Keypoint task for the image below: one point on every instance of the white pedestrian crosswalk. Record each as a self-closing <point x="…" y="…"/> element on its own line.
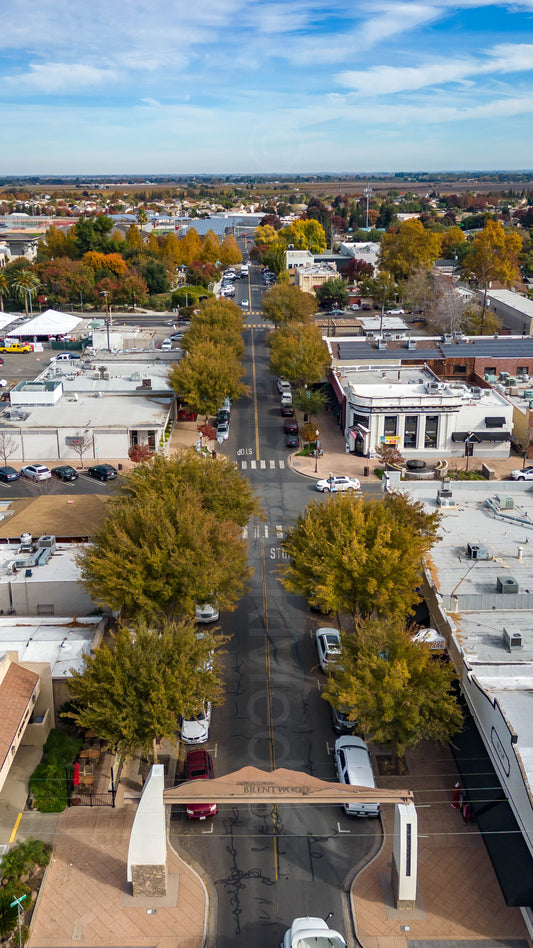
<point x="263" y="531"/>
<point x="261" y="465"/>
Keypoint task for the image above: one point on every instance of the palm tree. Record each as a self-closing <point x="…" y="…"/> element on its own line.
<point x="4" y="289"/>
<point x="25" y="286"/>
<point x="142" y="217"/>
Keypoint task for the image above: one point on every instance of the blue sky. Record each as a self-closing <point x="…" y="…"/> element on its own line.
<point x="257" y="86"/>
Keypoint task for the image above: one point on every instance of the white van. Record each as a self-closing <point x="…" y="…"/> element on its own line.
<point x="166" y="345"/>
<point x="352" y="761"/>
<point x="286" y="398"/>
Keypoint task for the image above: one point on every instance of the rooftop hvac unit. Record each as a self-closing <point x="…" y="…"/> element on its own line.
<point x="25" y="539"/>
<point x="433" y="387"/>
<point x="528" y="393"/>
<point x="382" y="343"/>
<point x="505" y="503"/>
<point x="47" y="542"/>
<point x="511" y="381"/>
<point x="147" y="383"/>
<point x="504" y="376"/>
<point x="523" y="377"/>
<point x="512" y="637"/>
<point x="411" y="344"/>
<point x="475" y="392"/>
<point x="447" y="337"/>
<point x="135" y="376"/>
<point x="476" y="551"/>
<point x="507" y="584"/>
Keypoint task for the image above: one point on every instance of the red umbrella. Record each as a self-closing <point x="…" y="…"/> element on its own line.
<point x="76" y="776"/>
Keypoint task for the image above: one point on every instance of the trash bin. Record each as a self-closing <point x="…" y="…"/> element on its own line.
<point x="366" y="471"/>
<point x="119" y="466"/>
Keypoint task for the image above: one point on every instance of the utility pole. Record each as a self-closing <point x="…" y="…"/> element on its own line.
<point x="104" y="293"/>
<point x="367" y="192"/>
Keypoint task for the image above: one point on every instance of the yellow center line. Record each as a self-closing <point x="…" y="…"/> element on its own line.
<point x="270" y="725"/>
<point x="15" y="828"/>
<point x="254" y="390"/>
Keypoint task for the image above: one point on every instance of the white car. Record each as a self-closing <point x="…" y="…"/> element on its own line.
<point x="311" y="931"/>
<point x="36" y="472"/>
<point x="245" y="302"/>
<point x="223" y="431"/>
<point x="205" y="612"/>
<point x="196" y="730"/>
<point x="523" y="475"/>
<point x="328" y="646"/>
<point x="284" y="386"/>
<point x="337" y="482"/>
<point x="166" y="345"/>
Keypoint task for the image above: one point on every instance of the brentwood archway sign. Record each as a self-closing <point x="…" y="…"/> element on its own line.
<point x="251" y="785"/>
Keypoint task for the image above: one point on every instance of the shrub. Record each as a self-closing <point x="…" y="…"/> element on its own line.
<point x="48" y="781"/>
<point x="8" y="913"/>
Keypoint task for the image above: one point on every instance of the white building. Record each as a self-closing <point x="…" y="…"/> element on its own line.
<point x="361" y="250"/>
<point x="409" y="407"/>
<point x="479" y="592"/>
<point x="298" y="258"/>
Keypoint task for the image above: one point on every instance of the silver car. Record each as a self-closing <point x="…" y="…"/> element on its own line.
<point x="36" y="472"/>
<point x="328" y="646"/>
<point x="337" y="482"/>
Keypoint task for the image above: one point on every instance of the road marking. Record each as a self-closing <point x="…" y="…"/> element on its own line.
<point x="15" y="828"/>
<point x="244" y="465"/>
<point x="215" y="750"/>
<point x="272" y="464"/>
<point x="206" y="832"/>
<point x="254" y="387"/>
<point x="253" y="465"/>
<point x="282" y="464"/>
<point x="262" y="465"/>
<point x="266" y="532"/>
<point x="341" y="830"/>
<point x="279" y="531"/>
<point x="329" y="749"/>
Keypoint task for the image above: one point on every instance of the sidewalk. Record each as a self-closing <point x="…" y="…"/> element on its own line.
<point x="458" y="894"/>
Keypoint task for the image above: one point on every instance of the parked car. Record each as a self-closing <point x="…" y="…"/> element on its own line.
<point x="8" y="346"/>
<point x="341" y="722"/>
<point x="292" y="440"/>
<point x="166" y="345"/>
<point x="311" y="931"/>
<point x="8" y="474"/>
<point x="66" y="357"/>
<point x="199" y="766"/>
<point x="245" y="302"/>
<point x="328" y="646"/>
<point x="195" y="730"/>
<point x="205" y="612"/>
<point x="526" y="474"/>
<point x="223" y="430"/>
<point x="287" y="411"/>
<point x="284" y="386"/>
<point x="352" y="762"/>
<point x="222" y="415"/>
<point x="339" y="482"/>
<point x="65" y="473"/>
<point x="102" y="472"/>
<point x="290" y="426"/>
<point x="176" y="336"/>
<point x="36" y="472"/>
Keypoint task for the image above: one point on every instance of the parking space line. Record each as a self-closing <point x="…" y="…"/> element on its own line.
<point x="339" y="830"/>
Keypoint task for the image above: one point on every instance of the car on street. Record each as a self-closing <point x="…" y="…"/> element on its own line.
<point x="195" y="730"/>
<point x="66" y="357"/>
<point x="102" y="472"/>
<point x="65" y="473"/>
<point x="199" y="766"/>
<point x="308" y="931"/>
<point x="222" y="416"/>
<point x="292" y="440"/>
<point x="245" y="302"/>
<point x="338" y="482"/>
<point x="166" y="345"/>
<point x="205" y="612"/>
<point x="8" y="474"/>
<point x="7" y="346"/>
<point x="341" y="722"/>
<point x="526" y="474"/>
<point x="290" y="426"/>
<point x="176" y="336"/>
<point x="328" y="646"/>
<point x="284" y="386"/>
<point x="36" y="472"/>
<point x="287" y="411"/>
<point x="223" y="430"/>
<point x="352" y="762"/>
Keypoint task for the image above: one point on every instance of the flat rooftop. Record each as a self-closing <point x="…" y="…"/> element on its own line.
<point x="125" y="378"/>
<point x="62" y="567"/>
<point x="90" y="412"/>
<point x="59" y="642"/>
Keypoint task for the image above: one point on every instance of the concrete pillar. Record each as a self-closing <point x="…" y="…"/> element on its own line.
<point x="405" y="855"/>
<point x="147" y="853"/>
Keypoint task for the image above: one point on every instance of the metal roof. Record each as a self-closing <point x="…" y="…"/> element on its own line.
<point x="363" y="350"/>
<point x="495" y="348"/>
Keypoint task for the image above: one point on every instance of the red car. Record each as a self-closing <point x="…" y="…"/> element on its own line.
<point x="199" y="766"/>
<point x="291" y="426"/>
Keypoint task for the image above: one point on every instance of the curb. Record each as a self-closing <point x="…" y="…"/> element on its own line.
<point x="211" y="895"/>
<point x="354" y="874"/>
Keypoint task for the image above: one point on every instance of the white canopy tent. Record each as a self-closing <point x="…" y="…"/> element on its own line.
<point x="49" y="323"/>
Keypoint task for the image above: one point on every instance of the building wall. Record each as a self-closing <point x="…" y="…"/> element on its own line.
<point x="49" y="445"/>
<point x="512" y="318"/>
<point x="34" y="597"/>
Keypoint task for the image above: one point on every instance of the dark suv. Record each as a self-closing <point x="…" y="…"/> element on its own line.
<point x="102" y="472"/>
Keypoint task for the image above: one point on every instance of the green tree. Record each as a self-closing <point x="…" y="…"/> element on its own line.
<point x="200" y="332"/>
<point x="493" y="255"/>
<point x="284" y="305"/>
<point x="163" y="554"/>
<point x="298" y="353"/>
<point x="25" y="286"/>
<point x="356" y="556"/>
<point x="310" y="401"/>
<point x="155" y="276"/>
<point x="274" y="257"/>
<point x="93" y="233"/>
<point x="8" y="913"/>
<point x="381" y="288"/>
<point x="4" y="289"/>
<point x="57" y="243"/>
<point x="332" y="291"/>
<point x="394" y="688"/>
<point x="208" y="375"/>
<point x="133" y="691"/>
<point x="304" y="235"/>
<point x="411" y="248"/>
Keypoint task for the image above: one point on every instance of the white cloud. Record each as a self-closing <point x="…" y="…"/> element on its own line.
<point x="60" y="77"/>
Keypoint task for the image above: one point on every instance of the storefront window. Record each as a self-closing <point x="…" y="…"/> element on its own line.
<point x="391" y="425"/>
<point x="432" y="431"/>
<point x="411" y="431"/>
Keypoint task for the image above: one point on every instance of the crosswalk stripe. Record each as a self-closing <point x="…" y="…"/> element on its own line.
<point x="279" y="532"/>
<point x="262" y="532"/>
<point x="272" y="464"/>
<point x="282" y="464"/>
<point x="253" y="465"/>
<point x="266" y="532"/>
<point x="244" y="465"/>
<point x="263" y="465"/>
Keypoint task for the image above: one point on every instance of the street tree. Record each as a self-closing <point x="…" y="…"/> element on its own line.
<point x="382" y="288"/>
<point x="274" y="258"/>
<point x="199" y="333"/>
<point x="210" y="251"/>
<point x="4" y="289"/>
<point x="25" y="286"/>
<point x="133" y="691"/>
<point x="418" y="291"/>
<point x="304" y="235"/>
<point x="207" y="375"/>
<point x="298" y="353"/>
<point x="8" y="446"/>
<point x="284" y="305"/>
<point x="220" y="313"/>
<point x="333" y="292"/>
<point x="82" y="444"/>
<point x="223" y="490"/>
<point x="493" y="255"/>
<point x="394" y="688"/>
<point x="308" y="400"/>
<point x="353" y="555"/>
<point x="190" y="247"/>
<point x="446" y="310"/>
<point x="451" y="240"/>
<point x="265" y="234"/>
<point x="161" y="555"/>
<point x="410" y="248"/>
<point x="229" y="253"/>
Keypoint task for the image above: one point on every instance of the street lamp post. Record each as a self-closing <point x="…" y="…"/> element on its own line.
<point x="104" y="293"/>
<point x="317" y="444"/>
